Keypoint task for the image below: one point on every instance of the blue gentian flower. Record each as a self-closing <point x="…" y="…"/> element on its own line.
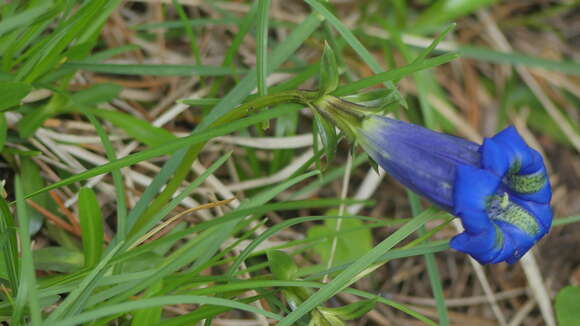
<point x="500" y="189"/>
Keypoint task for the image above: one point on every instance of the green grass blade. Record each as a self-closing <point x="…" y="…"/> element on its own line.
<point x="166" y="148"/>
<point x="76" y="299"/>
<point x="277" y="57"/>
<point x="432" y="269"/>
<point x="8" y="245"/>
<point x="142" y="226"/>
<point x="350" y="38"/>
<point x="154" y="69"/>
<point x="514" y="58"/>
<point x="117" y="177"/>
<point x="91" y="220"/>
<point x="160" y="301"/>
<point x="27" y="290"/>
<point x="24" y="18"/>
<point x="346" y="277"/>
<point x="262" y="46"/>
<point x="394" y="74"/>
<point x="188" y="31"/>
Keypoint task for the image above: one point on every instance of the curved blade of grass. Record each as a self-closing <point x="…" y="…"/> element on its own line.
<point x="8" y="244"/>
<point x="262" y="47"/>
<point x="76" y="299"/>
<point x="117" y="177"/>
<point x="80" y="26"/>
<point x="242" y="285"/>
<point x="91" y="220"/>
<point x="349" y="37"/>
<point x="432" y="270"/>
<point x="24" y="18"/>
<point x="277" y="57"/>
<point x="394" y="74"/>
<point x="430" y="248"/>
<point x="167" y="148"/>
<point x="188" y="31"/>
<point x="261" y="198"/>
<point x="160" y="301"/>
<point x="225" y="107"/>
<point x="232" y="216"/>
<point x="154" y="69"/>
<point x="27" y="291"/>
<point x="346" y="277"/>
<point x="142" y="226"/>
<point x="273" y="230"/>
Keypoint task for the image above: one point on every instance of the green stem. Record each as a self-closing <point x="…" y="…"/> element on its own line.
<point x="294" y="96"/>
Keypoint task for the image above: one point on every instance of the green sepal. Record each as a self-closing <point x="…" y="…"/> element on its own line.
<point x="381" y="100"/>
<point x="329" y="76"/>
<point x="328" y="135"/>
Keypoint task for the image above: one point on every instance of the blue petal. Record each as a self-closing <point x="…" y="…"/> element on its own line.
<point x="518" y="151"/>
<point x="421" y="159"/>
<point x="385" y="132"/>
<point x="471" y="191"/>
<point x="482" y="247"/>
<point x="494" y="157"/>
<point x="519" y="242"/>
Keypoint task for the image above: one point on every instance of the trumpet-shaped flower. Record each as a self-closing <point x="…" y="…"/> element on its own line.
<point x="499" y="189"/>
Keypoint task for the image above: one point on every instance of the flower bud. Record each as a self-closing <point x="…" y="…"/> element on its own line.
<point x="500" y="189"/>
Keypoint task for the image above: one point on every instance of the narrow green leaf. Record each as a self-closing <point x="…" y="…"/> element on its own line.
<point x="141" y="130"/>
<point x="96" y="94"/>
<point x="154" y="69"/>
<point x="277" y="57"/>
<point x="145" y="223"/>
<point x="117" y="176"/>
<point x="3" y="130"/>
<point x="30" y="122"/>
<point x="446" y="10"/>
<point x="169" y="147"/>
<point x="76" y="299"/>
<point x="24" y="18"/>
<point x="160" y="301"/>
<point x="58" y="259"/>
<point x="27" y="291"/>
<point x="262" y="50"/>
<point x="91" y="220"/>
<point x="350" y="38"/>
<point x="394" y="74"/>
<point x="188" y="31"/>
<point x="346" y="277"/>
<point x="34" y="181"/>
<point x="11" y="93"/>
<point x="8" y="245"/>
<point x="152" y="315"/>
<point x="432" y="269"/>
<point x="329" y="78"/>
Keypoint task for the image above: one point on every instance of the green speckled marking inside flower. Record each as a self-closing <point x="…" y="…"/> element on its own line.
<point x="515" y="167"/>
<point x="527" y="183"/>
<point x="501" y="208"/>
